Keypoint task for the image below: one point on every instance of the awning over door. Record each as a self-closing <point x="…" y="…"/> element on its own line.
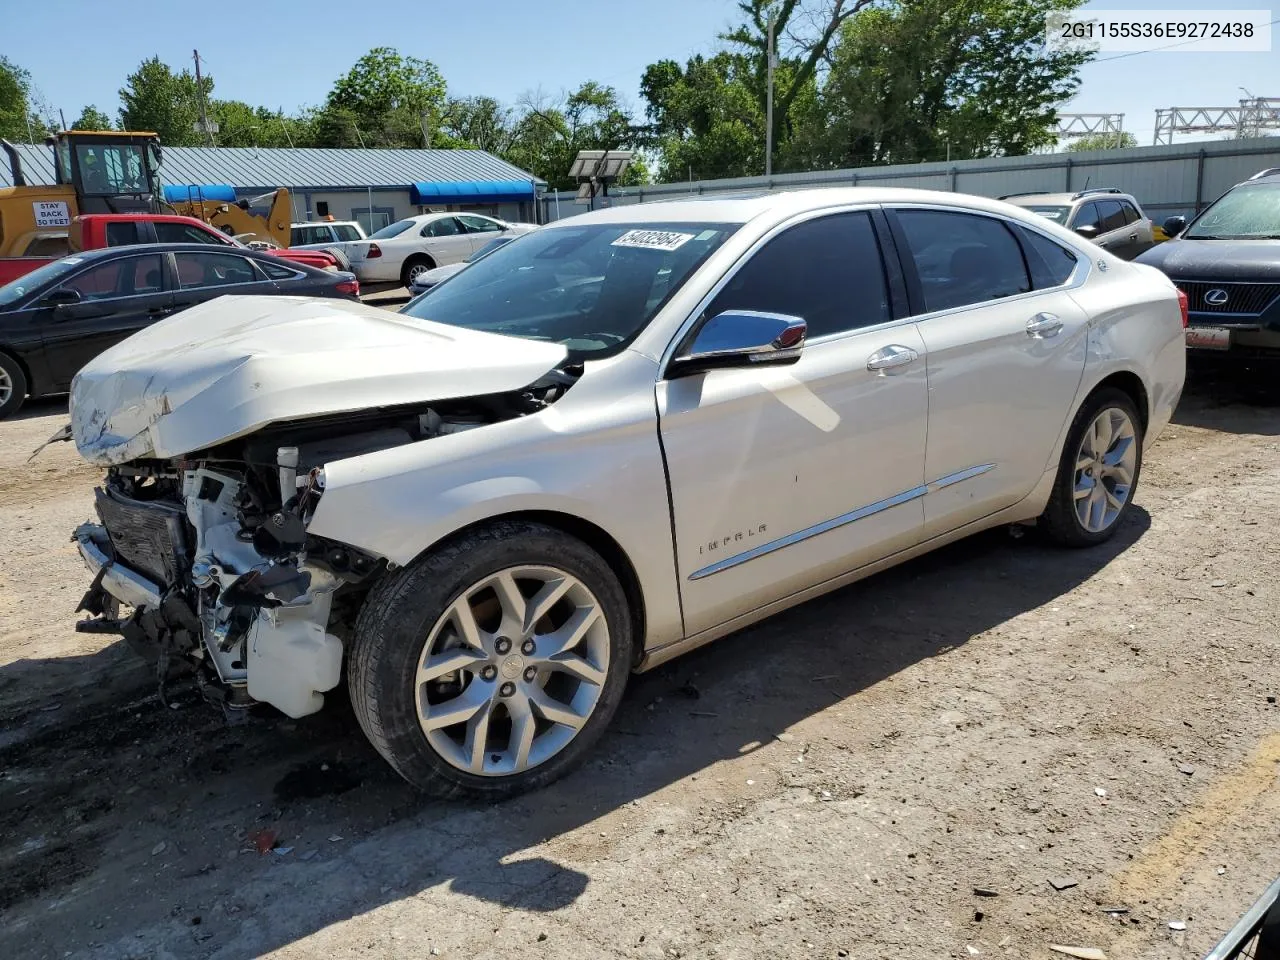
<point x="471" y="191"/>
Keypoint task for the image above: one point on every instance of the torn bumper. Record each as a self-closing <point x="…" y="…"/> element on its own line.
<point x="125" y="585"/>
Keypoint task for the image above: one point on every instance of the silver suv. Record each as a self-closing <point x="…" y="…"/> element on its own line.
<point x="1104" y="215"/>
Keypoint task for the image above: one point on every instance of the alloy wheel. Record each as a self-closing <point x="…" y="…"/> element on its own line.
<point x="512" y="670"/>
<point x="1105" y="465"/>
<point x="6" y="387"/>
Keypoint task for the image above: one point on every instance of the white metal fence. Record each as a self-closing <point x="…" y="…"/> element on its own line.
<point x="1167" y="180"/>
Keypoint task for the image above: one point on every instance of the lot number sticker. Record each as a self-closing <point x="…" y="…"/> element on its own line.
<point x="653" y="239"/>
<point x="52" y="213"/>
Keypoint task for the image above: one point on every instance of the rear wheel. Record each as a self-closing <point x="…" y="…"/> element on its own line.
<point x="415" y="267"/>
<point x="1098" y="473"/>
<point x="13" y="385"/>
<point x="491" y="666"/>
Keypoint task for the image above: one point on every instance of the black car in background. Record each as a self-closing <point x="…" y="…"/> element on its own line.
<point x="57" y="318"/>
<point x="1227" y="262"/>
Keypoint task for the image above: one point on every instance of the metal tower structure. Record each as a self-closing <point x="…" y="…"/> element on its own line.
<point x="1248" y="119"/>
<point x="1072" y="125"/>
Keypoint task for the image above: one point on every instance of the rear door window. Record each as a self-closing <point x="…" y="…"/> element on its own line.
<point x="121" y="233"/>
<point x="444" y="227"/>
<point x="214" y="269"/>
<point x="1050" y="264"/>
<point x="170" y="232"/>
<point x="963" y="258"/>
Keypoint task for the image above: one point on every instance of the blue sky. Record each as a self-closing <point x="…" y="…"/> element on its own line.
<point x="289" y="56"/>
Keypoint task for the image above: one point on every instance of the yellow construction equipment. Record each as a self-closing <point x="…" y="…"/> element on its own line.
<point x="115" y="171"/>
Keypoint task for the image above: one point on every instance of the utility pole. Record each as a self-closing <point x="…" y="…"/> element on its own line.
<point x="768" y="119"/>
<point x="204" y="115"/>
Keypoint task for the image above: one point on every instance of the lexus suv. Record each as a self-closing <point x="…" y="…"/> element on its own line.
<point x="628" y="434"/>
<point x="1227" y="261"/>
<point x="1111" y="219"/>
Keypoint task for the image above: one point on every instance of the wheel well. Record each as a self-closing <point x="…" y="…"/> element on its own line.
<point x="599" y="541"/>
<point x="1131" y="384"/>
<point x="419" y="258"/>
<point x="26" y="370"/>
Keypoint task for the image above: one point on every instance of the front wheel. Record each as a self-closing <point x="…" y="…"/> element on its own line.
<point x="491" y="665"/>
<point x="1098" y="473"/>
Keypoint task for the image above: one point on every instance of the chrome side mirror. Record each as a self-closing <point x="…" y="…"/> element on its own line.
<point x="740" y="338"/>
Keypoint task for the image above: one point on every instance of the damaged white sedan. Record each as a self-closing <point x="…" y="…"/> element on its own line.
<point x="613" y="440"/>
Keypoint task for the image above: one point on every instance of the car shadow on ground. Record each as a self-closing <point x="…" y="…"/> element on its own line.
<point x="109" y="792"/>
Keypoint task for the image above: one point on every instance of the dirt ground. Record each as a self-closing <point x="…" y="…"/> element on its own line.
<point x="847" y="779"/>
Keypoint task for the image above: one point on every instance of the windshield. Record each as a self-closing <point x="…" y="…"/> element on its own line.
<point x="592" y="288"/>
<point x="1249" y="211"/>
<point x="392" y="230"/>
<point x="1054" y="213"/>
<point x="488" y="248"/>
<point x="14" y="291"/>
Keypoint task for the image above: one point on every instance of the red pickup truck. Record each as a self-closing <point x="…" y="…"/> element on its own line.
<point x="95" y="230"/>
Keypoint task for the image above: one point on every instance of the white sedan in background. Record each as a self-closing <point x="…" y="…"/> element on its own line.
<point x="404" y="250"/>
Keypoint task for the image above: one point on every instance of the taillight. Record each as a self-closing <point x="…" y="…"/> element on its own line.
<point x="349" y="287"/>
<point x="373" y="251"/>
<point x="1182" y="305"/>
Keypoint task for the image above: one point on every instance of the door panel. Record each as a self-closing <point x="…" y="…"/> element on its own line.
<point x="1004" y="363"/>
<point x="120" y="297"/>
<point x="447" y="241"/>
<point x="760" y="457"/>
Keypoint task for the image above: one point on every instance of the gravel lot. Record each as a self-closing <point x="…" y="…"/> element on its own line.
<point x="839" y="781"/>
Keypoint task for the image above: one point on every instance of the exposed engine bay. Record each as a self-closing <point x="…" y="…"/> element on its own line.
<point x="212" y="553"/>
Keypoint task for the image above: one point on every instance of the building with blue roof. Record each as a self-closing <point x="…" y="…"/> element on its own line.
<point x="373" y="187"/>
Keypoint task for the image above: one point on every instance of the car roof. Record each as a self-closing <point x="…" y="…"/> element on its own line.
<point x="1066" y="199"/>
<point x="324" y="223"/>
<point x="741" y="208"/>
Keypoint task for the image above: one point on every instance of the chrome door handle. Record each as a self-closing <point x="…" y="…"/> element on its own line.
<point x="891" y="357"/>
<point x="1133" y="236"/>
<point x="1044" y="325"/>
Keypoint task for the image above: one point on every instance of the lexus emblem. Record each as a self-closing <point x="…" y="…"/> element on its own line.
<point x="1215" y="297"/>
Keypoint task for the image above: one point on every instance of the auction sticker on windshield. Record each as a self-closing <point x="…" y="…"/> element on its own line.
<point x="653" y="239"/>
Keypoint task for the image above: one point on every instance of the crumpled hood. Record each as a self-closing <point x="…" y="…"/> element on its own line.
<point x="229" y="367"/>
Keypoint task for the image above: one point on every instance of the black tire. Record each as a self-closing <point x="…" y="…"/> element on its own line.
<point x="393" y="627"/>
<point x="418" y="259"/>
<point x="11" y="375"/>
<point x="1059" y="520"/>
<point x="344" y="262"/>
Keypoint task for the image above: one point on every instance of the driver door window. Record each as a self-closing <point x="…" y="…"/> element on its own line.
<point x="480" y="224"/>
<point x="827" y="271"/>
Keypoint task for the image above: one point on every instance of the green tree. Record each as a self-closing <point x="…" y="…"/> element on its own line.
<point x="20" y="114"/>
<point x="91" y="118"/>
<point x="157" y="99"/>
<point x="916" y="80"/>
<point x="804" y="31"/>
<point x="704" y="119"/>
<point x="384" y="100"/>
<point x="548" y="135"/>
<point x="1101" y="141"/>
<point x="477" y="123"/>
